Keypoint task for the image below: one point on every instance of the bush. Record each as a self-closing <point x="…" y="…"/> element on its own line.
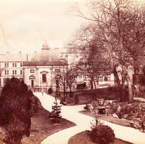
<point x="50" y="91"/>
<point x="15" y="106"/>
<point x="102" y="134"/>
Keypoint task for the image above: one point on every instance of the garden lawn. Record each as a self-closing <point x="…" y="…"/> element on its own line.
<point x="83" y="138"/>
<point x="42" y="127"/>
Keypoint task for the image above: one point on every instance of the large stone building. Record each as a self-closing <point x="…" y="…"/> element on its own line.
<point x="44" y="69"/>
<point x="40" y="71"/>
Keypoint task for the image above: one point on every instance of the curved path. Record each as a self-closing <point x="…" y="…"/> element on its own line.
<point x="83" y="122"/>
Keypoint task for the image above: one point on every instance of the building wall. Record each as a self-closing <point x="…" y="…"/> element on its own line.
<point x="10" y="69"/>
<point x="35" y="74"/>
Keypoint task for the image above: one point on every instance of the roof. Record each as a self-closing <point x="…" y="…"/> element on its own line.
<point x="15" y="57"/>
<point x="59" y="63"/>
<point x="46" y="57"/>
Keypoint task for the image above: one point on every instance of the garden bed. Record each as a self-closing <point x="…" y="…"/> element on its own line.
<point x="83" y="138"/>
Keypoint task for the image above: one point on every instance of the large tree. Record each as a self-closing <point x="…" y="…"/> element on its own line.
<point x="121" y="27"/>
<point x="93" y="62"/>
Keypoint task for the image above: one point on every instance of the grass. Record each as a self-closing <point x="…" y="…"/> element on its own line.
<point x="83" y="138"/>
<point x="42" y="127"/>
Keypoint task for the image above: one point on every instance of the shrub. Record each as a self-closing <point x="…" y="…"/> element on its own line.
<point x="15" y="106"/>
<point x="50" y="91"/>
<point x="102" y="134"/>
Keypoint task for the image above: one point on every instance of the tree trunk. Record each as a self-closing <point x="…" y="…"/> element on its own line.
<point x="70" y="88"/>
<point x="91" y="81"/>
<point x="64" y="91"/>
<point x="95" y="84"/>
<point x="116" y="78"/>
<point x="130" y="95"/>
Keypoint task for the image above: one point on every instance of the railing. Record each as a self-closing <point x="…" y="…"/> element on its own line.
<point x="40" y="90"/>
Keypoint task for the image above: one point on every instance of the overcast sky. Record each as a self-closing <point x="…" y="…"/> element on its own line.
<point x="26" y="24"/>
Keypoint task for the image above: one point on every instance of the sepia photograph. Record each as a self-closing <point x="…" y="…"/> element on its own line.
<point x="72" y="71"/>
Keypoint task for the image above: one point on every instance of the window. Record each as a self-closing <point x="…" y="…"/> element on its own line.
<point x="6" y="64"/>
<point x="57" y="70"/>
<point x="31" y="70"/>
<point x="4" y="81"/>
<point x="14" y="64"/>
<point x="57" y="82"/>
<point x="14" y="71"/>
<point x="43" y="77"/>
<point x="21" y="72"/>
<point x="20" y="64"/>
<point x="6" y="72"/>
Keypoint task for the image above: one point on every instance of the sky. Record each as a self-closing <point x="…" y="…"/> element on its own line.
<point x="26" y="24"/>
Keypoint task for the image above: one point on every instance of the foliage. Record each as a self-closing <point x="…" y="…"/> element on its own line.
<point x="117" y="32"/>
<point x="102" y="134"/>
<point x="92" y="61"/>
<point x="55" y="114"/>
<point x="134" y="111"/>
<point x="15" y="106"/>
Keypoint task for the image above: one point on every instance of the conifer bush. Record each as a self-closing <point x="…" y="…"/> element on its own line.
<point x="15" y="106"/>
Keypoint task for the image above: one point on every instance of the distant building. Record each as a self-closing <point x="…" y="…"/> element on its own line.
<point x="40" y="71"/>
<point x="12" y="65"/>
<point x="43" y="70"/>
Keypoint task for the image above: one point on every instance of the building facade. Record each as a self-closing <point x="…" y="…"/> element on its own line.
<point x="40" y="71"/>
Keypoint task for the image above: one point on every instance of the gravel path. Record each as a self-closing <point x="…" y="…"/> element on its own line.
<point x="83" y="122"/>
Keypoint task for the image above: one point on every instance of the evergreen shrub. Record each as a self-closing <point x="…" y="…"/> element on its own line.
<point x="15" y="106"/>
<point x="102" y="134"/>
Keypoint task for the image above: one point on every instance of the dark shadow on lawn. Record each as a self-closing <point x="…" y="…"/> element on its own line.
<point x="42" y="127"/>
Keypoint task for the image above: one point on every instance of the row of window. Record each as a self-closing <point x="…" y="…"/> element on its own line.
<point x="13" y="64"/>
<point x="7" y="72"/>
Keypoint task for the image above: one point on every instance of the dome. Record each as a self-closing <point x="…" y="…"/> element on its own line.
<point x="45" y="55"/>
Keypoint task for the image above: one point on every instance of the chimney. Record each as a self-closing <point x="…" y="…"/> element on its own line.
<point x="27" y="57"/>
<point x="7" y="53"/>
<point x="20" y="52"/>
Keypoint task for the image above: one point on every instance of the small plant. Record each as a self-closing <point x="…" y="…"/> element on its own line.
<point x="55" y="114"/>
<point x="102" y="134"/>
